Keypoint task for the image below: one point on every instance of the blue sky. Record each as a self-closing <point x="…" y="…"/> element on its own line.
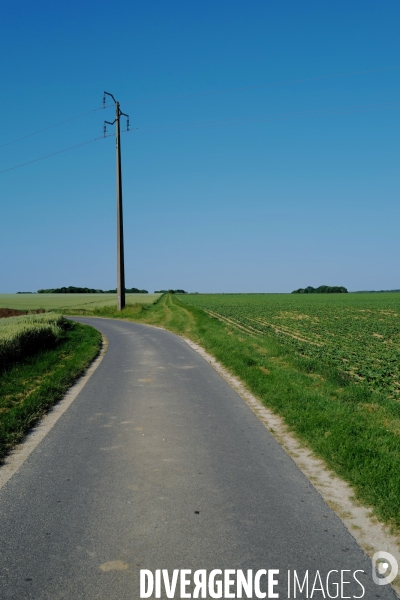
<point x="250" y="205"/>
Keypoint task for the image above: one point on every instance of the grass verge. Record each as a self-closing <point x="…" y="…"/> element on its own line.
<point x="28" y="389"/>
<point x="354" y="430"/>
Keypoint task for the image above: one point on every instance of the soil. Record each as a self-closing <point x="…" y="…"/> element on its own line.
<point x="12" y="312"/>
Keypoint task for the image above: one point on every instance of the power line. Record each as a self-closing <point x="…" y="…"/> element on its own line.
<point x="55" y="125"/>
<point x="225" y="122"/>
<point x="265" y="85"/>
<point x="29" y="162"/>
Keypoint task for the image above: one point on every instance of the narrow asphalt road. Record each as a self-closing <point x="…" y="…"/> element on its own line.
<point x="159" y="464"/>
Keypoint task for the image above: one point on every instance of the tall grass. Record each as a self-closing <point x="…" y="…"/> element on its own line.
<point x="25" y="335"/>
<point x="30" y="387"/>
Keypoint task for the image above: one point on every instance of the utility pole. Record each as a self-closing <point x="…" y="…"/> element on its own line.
<point x="120" y="223"/>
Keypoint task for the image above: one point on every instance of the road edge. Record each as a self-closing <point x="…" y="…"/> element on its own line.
<point x="16" y="458"/>
<point x="370" y="534"/>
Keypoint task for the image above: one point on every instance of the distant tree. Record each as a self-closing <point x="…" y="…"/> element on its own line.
<point x="69" y="290"/>
<point x="170" y="292"/>
<point x="322" y="289"/>
<point x="84" y="290"/>
<point x="135" y="291"/>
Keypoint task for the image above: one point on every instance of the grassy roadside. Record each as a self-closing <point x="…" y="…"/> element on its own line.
<point x="29" y="388"/>
<point x="356" y="431"/>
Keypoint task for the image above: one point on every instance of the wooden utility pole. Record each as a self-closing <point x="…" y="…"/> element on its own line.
<point x="120" y="222"/>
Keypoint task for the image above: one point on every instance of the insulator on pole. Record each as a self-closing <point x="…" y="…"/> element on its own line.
<point x="127" y="124"/>
<point x="104" y="129"/>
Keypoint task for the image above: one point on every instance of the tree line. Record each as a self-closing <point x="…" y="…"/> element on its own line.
<point x="84" y="290"/>
<point x="322" y="289"/>
<point x="170" y="292"/>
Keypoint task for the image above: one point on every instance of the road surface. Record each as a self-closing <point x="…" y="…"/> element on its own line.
<point x="159" y="464"/>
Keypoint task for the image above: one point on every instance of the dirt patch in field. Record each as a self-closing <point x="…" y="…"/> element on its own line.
<point x="13" y="312"/>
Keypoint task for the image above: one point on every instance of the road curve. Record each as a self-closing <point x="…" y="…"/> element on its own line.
<point x="159" y="464"/>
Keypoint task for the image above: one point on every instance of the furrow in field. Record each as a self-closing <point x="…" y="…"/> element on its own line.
<point x="287" y="331"/>
<point x="229" y="321"/>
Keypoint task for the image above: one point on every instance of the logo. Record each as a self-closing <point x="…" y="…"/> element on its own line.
<point x="387" y="567"/>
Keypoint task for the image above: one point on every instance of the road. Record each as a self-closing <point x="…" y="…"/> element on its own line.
<point x="159" y="464"/>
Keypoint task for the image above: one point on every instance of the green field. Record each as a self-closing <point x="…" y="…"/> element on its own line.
<point x="357" y="333"/>
<point x="69" y="301"/>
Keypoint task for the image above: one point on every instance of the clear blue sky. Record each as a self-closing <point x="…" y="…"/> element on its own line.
<point x="250" y="206"/>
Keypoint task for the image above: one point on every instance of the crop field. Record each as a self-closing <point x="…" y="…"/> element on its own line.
<point x="69" y="301"/>
<point x="358" y="333"/>
<point x="24" y="335"/>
